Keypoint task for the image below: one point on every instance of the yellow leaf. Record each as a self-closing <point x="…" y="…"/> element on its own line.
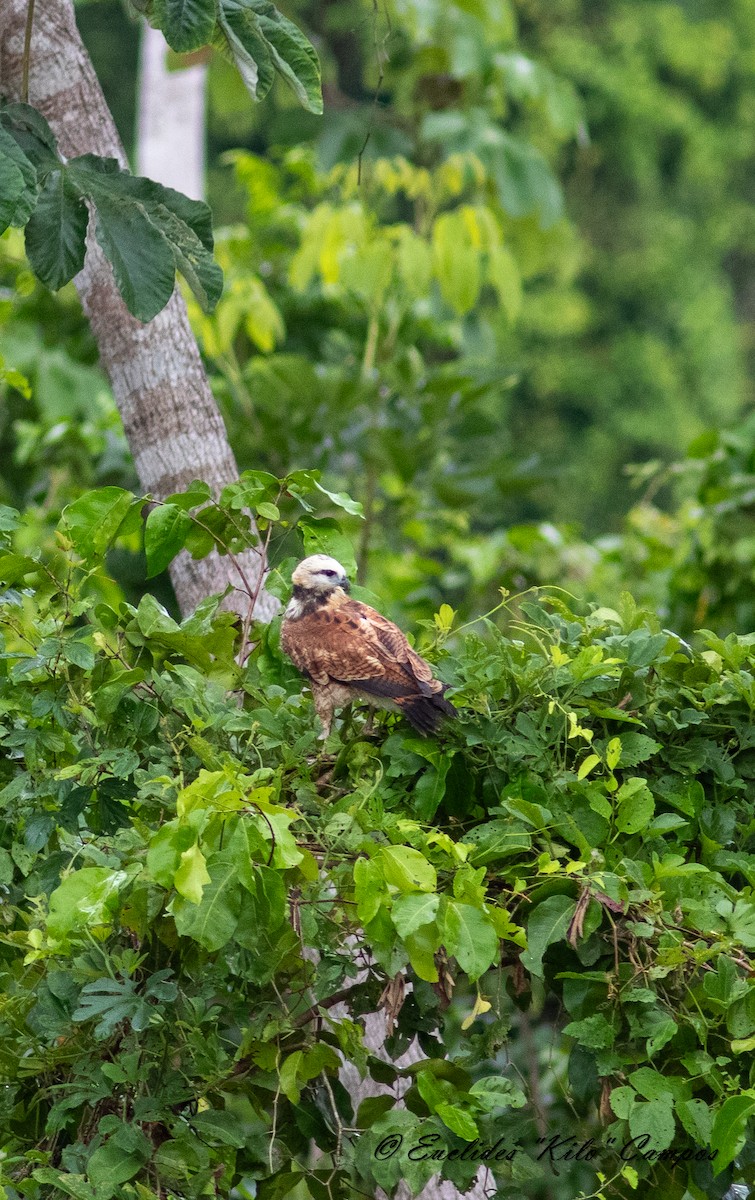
<point x="192" y="875"/>
<point x="444" y="618"/>
<point x="613" y="752"/>
<point x="586" y="767"/>
<point x="480" y="1006"/>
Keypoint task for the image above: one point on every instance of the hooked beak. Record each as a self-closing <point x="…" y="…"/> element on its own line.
<point x="345" y="584"/>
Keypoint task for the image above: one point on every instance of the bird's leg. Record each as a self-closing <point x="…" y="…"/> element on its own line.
<point x="324" y="708"/>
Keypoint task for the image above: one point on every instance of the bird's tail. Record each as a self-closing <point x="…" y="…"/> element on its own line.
<point x="426" y="713"/>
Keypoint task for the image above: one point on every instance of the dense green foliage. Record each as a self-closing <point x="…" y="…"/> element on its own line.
<point x="511" y="257"/>
<point x="578" y="844"/>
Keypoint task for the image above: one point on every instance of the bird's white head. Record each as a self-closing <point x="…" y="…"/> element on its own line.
<point x="320" y="573"/>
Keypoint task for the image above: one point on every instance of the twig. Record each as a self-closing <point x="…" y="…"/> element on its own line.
<point x="337" y="1119"/>
<point x="27" y="51"/>
<point x="328" y="1002"/>
<point x="382" y="58"/>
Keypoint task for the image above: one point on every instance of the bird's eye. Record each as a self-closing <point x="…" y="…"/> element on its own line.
<point x="332" y="574"/>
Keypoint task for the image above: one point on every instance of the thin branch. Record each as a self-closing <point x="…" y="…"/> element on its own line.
<point x="328" y="1002"/>
<point x="27" y="51"/>
<point x="382" y="57"/>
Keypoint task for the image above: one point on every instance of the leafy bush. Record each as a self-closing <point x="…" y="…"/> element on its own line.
<point x="564" y="877"/>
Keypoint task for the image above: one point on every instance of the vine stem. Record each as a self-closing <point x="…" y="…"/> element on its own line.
<point x="27" y="52"/>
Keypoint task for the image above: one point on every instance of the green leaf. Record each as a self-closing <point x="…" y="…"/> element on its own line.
<point x="192" y="875"/>
<point x="728" y="1134"/>
<point x="637" y="748"/>
<point x="292" y="54"/>
<point x="85" y="899"/>
<point x="32" y="134"/>
<point x="221" y="1128"/>
<point x="422" y="946"/>
<point x="697" y="1119"/>
<point x="93" y="520"/>
<point x="247" y="46"/>
<point x="622" y="1101"/>
<point x="71" y="1185"/>
<point x="635" y="806"/>
<point x="56" y="232"/>
<point x="595" y="1031"/>
<point x="164" y="536"/>
<point x="262" y="40"/>
<point x="341" y="500"/>
<point x="494" y="1092"/>
<point x="120" y="1159"/>
<point x="110" y="1001"/>
<point x="139" y="254"/>
<point x="456" y="257"/>
<point x="269" y="511"/>
<point x="469" y="935"/>
<point x="505" y="277"/>
<point x="186" y="24"/>
<point x="406" y="869"/>
<point x="586" y="766"/>
<point x="79" y="654"/>
<point x="148" y="232"/>
<point x="548" y="923"/>
<point x="653" y="1119"/>
<point x="458" y="1121"/>
<point x="525" y="182"/>
<point x="212" y="921"/>
<point x="411" y="911"/>
<point x="18" y="183"/>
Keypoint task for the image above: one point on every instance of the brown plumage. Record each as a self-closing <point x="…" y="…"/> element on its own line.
<point x="350" y="651"/>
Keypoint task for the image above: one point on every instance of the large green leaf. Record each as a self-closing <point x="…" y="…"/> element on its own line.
<point x="93" y="520"/>
<point x="18" y="183"/>
<point x="213" y="920"/>
<point x="192" y="875"/>
<point x="31" y="133"/>
<point x="247" y="46"/>
<point x="653" y="1120"/>
<point x="164" y="536"/>
<point x="56" y="232"/>
<point x="263" y="41"/>
<point x="457" y="262"/>
<point x="470" y="937"/>
<point x="413" y="910"/>
<point x="635" y="806"/>
<point x="138" y="252"/>
<point x="83" y="900"/>
<point x="118" y="1160"/>
<point x="187" y="24"/>
<point x="148" y="232"/>
<point x="729" y="1128"/>
<point x="407" y="869"/>
<point x="548" y="923"/>
<point x="292" y="54"/>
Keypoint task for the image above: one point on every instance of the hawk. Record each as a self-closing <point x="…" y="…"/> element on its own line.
<point x="349" y="651"/>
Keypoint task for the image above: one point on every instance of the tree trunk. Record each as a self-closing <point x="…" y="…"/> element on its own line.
<point x="171" y="121"/>
<point x="171" y="420"/>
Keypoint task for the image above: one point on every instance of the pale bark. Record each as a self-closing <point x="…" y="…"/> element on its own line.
<point x="171" y="420"/>
<point x="171" y="123"/>
<point x="360" y="1089"/>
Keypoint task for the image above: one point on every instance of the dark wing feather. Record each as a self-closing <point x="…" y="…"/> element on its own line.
<point x="350" y="643"/>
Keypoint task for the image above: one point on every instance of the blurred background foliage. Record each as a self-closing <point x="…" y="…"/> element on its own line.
<point x="514" y="258"/>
